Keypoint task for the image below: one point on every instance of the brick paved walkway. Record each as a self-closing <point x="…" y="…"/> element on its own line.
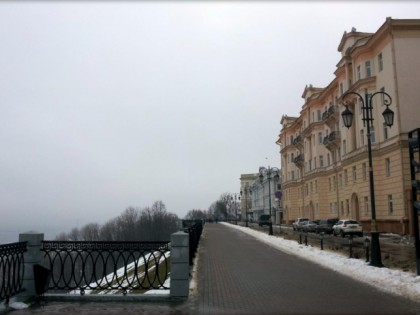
<point x="240" y="275"/>
<point x="237" y="274"/>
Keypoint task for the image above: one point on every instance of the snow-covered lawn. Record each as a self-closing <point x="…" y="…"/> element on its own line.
<point x="395" y="281"/>
<point x="126" y="276"/>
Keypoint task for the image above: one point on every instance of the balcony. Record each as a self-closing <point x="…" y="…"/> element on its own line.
<point x="298" y="141"/>
<point x="331" y="116"/>
<point x="332" y="141"/>
<point x="299" y="160"/>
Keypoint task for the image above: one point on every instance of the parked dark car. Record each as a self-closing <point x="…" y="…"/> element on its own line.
<point x="326" y="225"/>
<point x="264" y="219"/>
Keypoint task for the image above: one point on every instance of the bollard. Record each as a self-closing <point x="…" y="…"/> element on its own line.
<point x="367" y="245"/>
<point x="321" y="237"/>
<point x="300" y="237"/>
<point x="306" y="238"/>
<point x="350" y="241"/>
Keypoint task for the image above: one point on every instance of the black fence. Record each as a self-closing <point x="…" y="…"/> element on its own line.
<point x="11" y="269"/>
<point x="363" y="245"/>
<point x="194" y="228"/>
<point x="113" y="266"/>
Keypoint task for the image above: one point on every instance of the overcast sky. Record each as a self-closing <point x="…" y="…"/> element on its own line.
<point x="106" y="105"/>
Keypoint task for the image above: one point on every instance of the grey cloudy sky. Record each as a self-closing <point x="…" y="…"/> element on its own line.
<point x="105" y="105"/>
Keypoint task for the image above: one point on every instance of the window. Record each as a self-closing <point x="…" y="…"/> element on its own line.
<point x="362" y="137"/>
<point x="318" y="112"/>
<point x="321" y="161"/>
<point x="364" y="171"/>
<point x="344" y="147"/>
<point x="340" y="180"/>
<point x="334" y="183"/>
<point x="316" y="186"/>
<point x="341" y="88"/>
<point x="368" y="69"/>
<point x="358" y="73"/>
<point x="292" y="157"/>
<point x="293" y="175"/>
<point x="390" y="204"/>
<point x="328" y="159"/>
<point x="354" y="173"/>
<point x="385" y="132"/>
<point x="345" y="177"/>
<point x="388" y="167"/>
<point x="380" y="62"/>
<point x="372" y="134"/>
<point x="382" y="89"/>
<point x="342" y="207"/>
<point x="320" y="139"/>
<point x="329" y="183"/>
<point x="347" y="207"/>
<point x="366" y="205"/>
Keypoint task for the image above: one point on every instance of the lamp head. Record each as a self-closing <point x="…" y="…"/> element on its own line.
<point x="347" y="115"/>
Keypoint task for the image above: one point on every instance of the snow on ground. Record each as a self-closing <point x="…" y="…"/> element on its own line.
<point x="122" y="276"/>
<point x="395" y="281"/>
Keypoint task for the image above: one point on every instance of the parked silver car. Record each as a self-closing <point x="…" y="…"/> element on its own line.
<point x="298" y="223"/>
<point x="309" y="226"/>
<point x="348" y="227"/>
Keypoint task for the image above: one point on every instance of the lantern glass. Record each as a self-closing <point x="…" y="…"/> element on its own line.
<point x="347" y="115"/>
<point x="388" y="116"/>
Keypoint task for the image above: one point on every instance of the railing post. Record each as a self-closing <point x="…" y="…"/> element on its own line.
<point x="180" y="267"/>
<point x="31" y="257"/>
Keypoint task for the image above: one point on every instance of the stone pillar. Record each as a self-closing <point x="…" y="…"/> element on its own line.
<point x="32" y="256"/>
<point x="180" y="267"/>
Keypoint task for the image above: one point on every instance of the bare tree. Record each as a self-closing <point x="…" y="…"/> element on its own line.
<point x="90" y="232"/>
<point x="196" y="214"/>
<point x="74" y="235"/>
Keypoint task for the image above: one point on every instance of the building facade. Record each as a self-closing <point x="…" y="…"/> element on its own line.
<point x="325" y="172"/>
<point x="258" y="194"/>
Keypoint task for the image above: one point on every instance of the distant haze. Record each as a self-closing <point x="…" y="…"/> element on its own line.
<point x="106" y="105"/>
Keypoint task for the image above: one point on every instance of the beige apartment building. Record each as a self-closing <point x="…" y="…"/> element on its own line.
<point x="325" y="172"/>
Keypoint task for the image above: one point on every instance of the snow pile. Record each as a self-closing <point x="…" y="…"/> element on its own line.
<point x="395" y="281"/>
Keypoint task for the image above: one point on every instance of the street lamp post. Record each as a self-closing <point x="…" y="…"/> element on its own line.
<point x="270" y="171"/>
<point x="388" y="114"/>
<point x="246" y="191"/>
<point x="236" y="196"/>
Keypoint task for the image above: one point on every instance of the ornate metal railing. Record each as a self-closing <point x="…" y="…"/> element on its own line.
<point x="115" y="266"/>
<point x="194" y="228"/>
<point x="11" y="269"/>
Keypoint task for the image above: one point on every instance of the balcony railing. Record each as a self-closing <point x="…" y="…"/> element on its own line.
<point x="332" y="141"/>
<point x="297" y="140"/>
<point x="299" y="160"/>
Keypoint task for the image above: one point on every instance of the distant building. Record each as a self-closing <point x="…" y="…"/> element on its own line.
<point x="247" y="182"/>
<point x="259" y="197"/>
<point x="325" y="165"/>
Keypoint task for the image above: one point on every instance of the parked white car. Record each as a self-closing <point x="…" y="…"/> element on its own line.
<point x="348" y="227"/>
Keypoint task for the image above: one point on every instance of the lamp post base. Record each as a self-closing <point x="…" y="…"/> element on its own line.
<point x="375" y="251"/>
<point x="270" y="229"/>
